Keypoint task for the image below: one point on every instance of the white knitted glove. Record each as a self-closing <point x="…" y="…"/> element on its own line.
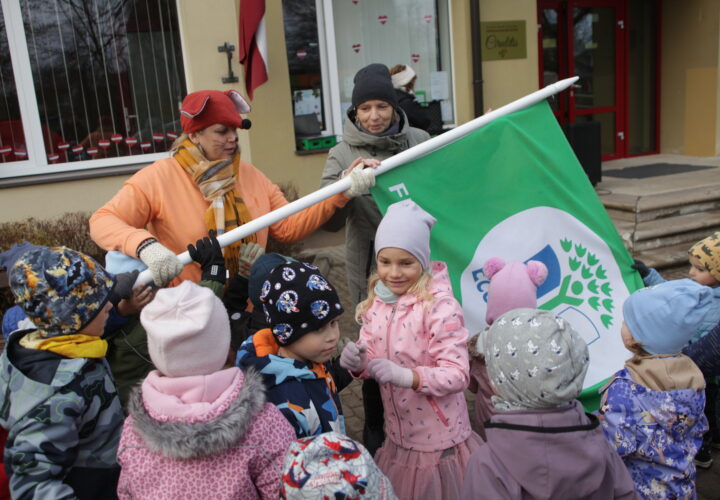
<point x="387" y="372"/>
<point x="163" y="264"/>
<point x="354" y="357"/>
<point x="249" y="253"/>
<point x="361" y="180"/>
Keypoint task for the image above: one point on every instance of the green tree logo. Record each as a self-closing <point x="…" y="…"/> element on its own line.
<point x="586" y="282"/>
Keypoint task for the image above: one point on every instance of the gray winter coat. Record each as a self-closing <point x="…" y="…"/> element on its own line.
<point x="362" y="214"/>
<point x="64" y="421"/>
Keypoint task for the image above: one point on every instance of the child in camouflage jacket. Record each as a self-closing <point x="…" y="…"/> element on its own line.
<point x="59" y="403"/>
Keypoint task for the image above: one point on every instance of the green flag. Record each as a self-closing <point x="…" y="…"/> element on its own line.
<point x="514" y="189"/>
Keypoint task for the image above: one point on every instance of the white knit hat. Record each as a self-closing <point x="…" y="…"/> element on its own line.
<point x="402" y="78"/>
<point x="188" y="330"/>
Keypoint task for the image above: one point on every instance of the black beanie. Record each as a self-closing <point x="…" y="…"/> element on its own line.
<point x="297" y="299"/>
<point x="373" y="82"/>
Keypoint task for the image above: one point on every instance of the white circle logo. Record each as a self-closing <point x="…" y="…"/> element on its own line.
<point x="584" y="284"/>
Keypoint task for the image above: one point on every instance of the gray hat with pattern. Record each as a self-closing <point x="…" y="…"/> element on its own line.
<point x="535" y="360"/>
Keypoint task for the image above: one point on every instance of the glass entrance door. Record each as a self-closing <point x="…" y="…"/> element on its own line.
<point x="585" y="38"/>
<point x="597" y="58"/>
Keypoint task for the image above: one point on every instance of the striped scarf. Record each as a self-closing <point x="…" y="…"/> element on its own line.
<point x="216" y="181"/>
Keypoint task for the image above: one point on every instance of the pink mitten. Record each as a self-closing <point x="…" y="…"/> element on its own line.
<point x="354" y="357"/>
<point x="387" y="372"/>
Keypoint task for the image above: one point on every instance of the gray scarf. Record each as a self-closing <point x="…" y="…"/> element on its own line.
<point x="384" y="293"/>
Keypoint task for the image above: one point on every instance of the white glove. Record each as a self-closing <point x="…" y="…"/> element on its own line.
<point x="361" y="180"/>
<point x="387" y="372"/>
<point x="354" y="357"/>
<point x="249" y="253"/>
<point x="163" y="264"/>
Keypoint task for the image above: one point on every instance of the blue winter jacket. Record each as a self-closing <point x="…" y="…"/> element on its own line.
<point x="306" y="394"/>
<point x="657" y="434"/>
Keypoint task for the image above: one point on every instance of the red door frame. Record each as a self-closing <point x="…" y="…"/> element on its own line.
<point x="567" y="112"/>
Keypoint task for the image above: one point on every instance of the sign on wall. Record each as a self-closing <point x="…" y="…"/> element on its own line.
<point x="503" y="40"/>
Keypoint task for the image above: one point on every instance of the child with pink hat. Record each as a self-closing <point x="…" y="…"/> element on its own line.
<point x="197" y="429"/>
<point x="512" y="285"/>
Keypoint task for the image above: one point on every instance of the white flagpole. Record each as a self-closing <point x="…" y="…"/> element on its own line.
<point x="388" y="164"/>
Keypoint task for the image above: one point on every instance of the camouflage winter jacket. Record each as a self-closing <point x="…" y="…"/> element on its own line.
<point x="64" y="421"/>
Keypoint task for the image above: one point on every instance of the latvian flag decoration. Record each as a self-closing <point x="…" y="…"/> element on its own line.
<point x="253" y="44"/>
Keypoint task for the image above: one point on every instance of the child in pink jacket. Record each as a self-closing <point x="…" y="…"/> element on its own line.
<point x="412" y="341"/>
<point x="196" y="430"/>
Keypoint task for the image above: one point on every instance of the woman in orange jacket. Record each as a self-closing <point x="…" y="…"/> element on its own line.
<point x="202" y="186"/>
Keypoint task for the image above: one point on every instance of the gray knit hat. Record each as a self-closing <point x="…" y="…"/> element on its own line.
<point x="535" y="360"/>
<point x="407" y="226"/>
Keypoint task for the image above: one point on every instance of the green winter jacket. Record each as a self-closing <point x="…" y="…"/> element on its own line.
<point x="362" y="214"/>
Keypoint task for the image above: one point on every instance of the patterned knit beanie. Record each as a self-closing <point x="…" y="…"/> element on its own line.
<point x="707" y="251"/>
<point x="259" y="272"/>
<point x="535" y="360"/>
<point x="59" y="289"/>
<point x="332" y="465"/>
<point x="297" y="299"/>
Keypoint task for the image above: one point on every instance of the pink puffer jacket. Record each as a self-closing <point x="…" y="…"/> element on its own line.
<point x="431" y="339"/>
<point x="200" y="437"/>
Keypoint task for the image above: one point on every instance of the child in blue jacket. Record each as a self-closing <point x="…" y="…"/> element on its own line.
<point x="295" y="355"/>
<point x="652" y="410"/>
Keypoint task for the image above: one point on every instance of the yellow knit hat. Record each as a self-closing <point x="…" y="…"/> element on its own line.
<point x="707" y="251"/>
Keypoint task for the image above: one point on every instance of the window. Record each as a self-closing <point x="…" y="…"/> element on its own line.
<point x="91" y="83"/>
<point x="327" y="42"/>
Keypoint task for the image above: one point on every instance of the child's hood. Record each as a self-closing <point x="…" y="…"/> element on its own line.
<point x="440" y="283"/>
<point x="676" y="411"/>
<point x="260" y="351"/>
<point x="225" y="421"/>
<point x="36" y="374"/>
<point x="573" y="453"/>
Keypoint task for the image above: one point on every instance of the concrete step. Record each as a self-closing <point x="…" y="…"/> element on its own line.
<point x="663" y="257"/>
<point x="675" y="210"/>
<point x="668" y="226"/>
<point x="688" y="238"/>
<point x="687" y="196"/>
<point x="657" y="206"/>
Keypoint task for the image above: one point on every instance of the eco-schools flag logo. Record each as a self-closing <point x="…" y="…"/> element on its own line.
<point x="584" y="284"/>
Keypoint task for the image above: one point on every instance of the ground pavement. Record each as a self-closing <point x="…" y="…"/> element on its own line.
<point x="331" y="261"/>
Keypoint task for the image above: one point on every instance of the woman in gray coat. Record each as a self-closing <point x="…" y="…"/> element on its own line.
<point x="376" y="128"/>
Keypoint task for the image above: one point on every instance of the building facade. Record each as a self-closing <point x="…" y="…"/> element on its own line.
<point x="91" y="88"/>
